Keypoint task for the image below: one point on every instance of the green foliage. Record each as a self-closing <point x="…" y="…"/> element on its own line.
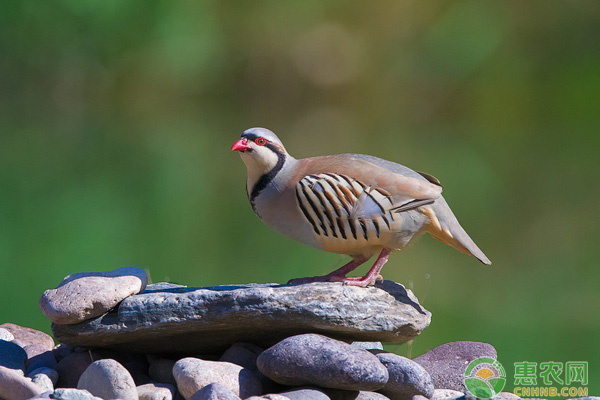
<point x="117" y="119"/>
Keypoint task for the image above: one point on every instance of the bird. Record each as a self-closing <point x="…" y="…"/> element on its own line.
<point x="353" y="204"/>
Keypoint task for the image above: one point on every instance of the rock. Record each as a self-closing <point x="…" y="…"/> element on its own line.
<point x="71" y="367"/>
<point x="509" y="395"/>
<point x="312" y="359"/>
<point x="371" y="396"/>
<point x="368" y="345"/>
<point x="43" y="381"/>
<point x="271" y="396"/>
<point x="39" y="356"/>
<point x="161" y="370"/>
<point x="137" y="366"/>
<point x="85" y="295"/>
<point x="181" y="320"/>
<point x="12" y="356"/>
<point x="214" y="391"/>
<point x="407" y="378"/>
<point x="306" y="393"/>
<point x="15" y="386"/>
<point x="156" y="391"/>
<point x="243" y="354"/>
<point x="61" y="351"/>
<point x="73" y="394"/>
<point x="446" y="394"/>
<point x="50" y="373"/>
<point x="447" y="363"/>
<point x="192" y="374"/>
<point x="29" y="336"/>
<point x="109" y="380"/>
<point x="6" y="335"/>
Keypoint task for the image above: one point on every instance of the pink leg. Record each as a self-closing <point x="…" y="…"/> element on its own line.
<point x="374" y="273"/>
<point x="339" y="275"/>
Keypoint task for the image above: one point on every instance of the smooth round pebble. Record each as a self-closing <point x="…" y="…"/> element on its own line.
<point x="28" y="335"/>
<point x="448" y="394"/>
<point x="193" y="374"/>
<point x="371" y="396"/>
<point x="39" y="356"/>
<point x="109" y="380"/>
<point x="214" y="391"/>
<point x="306" y="394"/>
<point x="73" y="394"/>
<point x="407" y="378"/>
<point x="12" y="356"/>
<point x="161" y="370"/>
<point x="43" y="381"/>
<point x="15" y="386"/>
<point x="71" y="367"/>
<point x="86" y="295"/>
<point x="447" y="363"/>
<point x="368" y="345"/>
<point x="156" y="391"/>
<point x="312" y="359"/>
<point x="271" y="396"/>
<point x="508" y="395"/>
<point x="6" y="335"/>
<point x="50" y="373"/>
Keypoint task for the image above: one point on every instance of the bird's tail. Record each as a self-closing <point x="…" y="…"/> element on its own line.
<point x="445" y="227"/>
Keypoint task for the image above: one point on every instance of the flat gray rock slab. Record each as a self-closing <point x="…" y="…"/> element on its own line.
<point x="170" y="318"/>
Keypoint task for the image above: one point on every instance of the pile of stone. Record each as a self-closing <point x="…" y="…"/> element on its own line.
<point x="123" y="339"/>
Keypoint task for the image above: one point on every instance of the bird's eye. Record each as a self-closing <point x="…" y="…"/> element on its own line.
<point x="260" y="141"/>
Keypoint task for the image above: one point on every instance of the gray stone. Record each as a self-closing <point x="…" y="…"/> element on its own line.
<point x="50" y="373"/>
<point x="407" y="378"/>
<point x="214" y="391"/>
<point x="15" y="386"/>
<point x="39" y="356"/>
<point x="12" y="356"/>
<point x="6" y="335"/>
<point x="181" y="320"/>
<point x="312" y="359"/>
<point x="449" y="394"/>
<point x="510" y="395"/>
<point x="368" y="345"/>
<point x="156" y="391"/>
<point x="270" y="396"/>
<point x="73" y="394"/>
<point x="192" y="374"/>
<point x="306" y="393"/>
<point x="29" y="336"/>
<point x="371" y="396"/>
<point x="61" y="351"/>
<point x="71" y="367"/>
<point x="86" y="295"/>
<point x="447" y="363"/>
<point x="243" y="354"/>
<point x="43" y="381"/>
<point x="109" y="380"/>
<point x="161" y="370"/>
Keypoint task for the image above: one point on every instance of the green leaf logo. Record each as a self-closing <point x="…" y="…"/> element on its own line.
<point x="485" y="377"/>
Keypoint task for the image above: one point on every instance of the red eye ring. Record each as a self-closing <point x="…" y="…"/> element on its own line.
<point x="260" y="141"/>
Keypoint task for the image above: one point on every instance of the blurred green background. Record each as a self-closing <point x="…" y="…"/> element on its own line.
<point x="116" y="120"/>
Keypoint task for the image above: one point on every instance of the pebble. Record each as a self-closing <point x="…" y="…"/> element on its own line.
<point x="368" y="345"/>
<point x="156" y="391"/>
<point x="447" y="363"/>
<point x="510" y="395"/>
<point x="407" y="378"/>
<point x="109" y="380"/>
<point x="39" y="356"/>
<point x="86" y="295"/>
<point x="73" y="394"/>
<point x="306" y="393"/>
<point x="371" y="396"/>
<point x="12" y="356"/>
<point x="6" y="335"/>
<point x="50" y="373"/>
<point x="214" y="391"/>
<point x="28" y="335"/>
<point x="61" y="351"/>
<point x="161" y="370"/>
<point x="449" y="394"/>
<point x="312" y="359"/>
<point x="43" y="381"/>
<point x="15" y="386"/>
<point x="192" y="374"/>
<point x="242" y="354"/>
<point x="71" y="367"/>
<point x="270" y="396"/>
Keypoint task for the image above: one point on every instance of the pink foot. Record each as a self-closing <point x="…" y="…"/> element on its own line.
<point x="363" y="281"/>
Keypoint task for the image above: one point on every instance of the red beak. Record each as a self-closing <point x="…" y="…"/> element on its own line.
<point x="240" y="145"/>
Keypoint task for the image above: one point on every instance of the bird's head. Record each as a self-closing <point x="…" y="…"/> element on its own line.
<point x="263" y="153"/>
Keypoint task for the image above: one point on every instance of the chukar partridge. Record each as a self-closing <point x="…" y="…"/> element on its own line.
<point x="351" y="204"/>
